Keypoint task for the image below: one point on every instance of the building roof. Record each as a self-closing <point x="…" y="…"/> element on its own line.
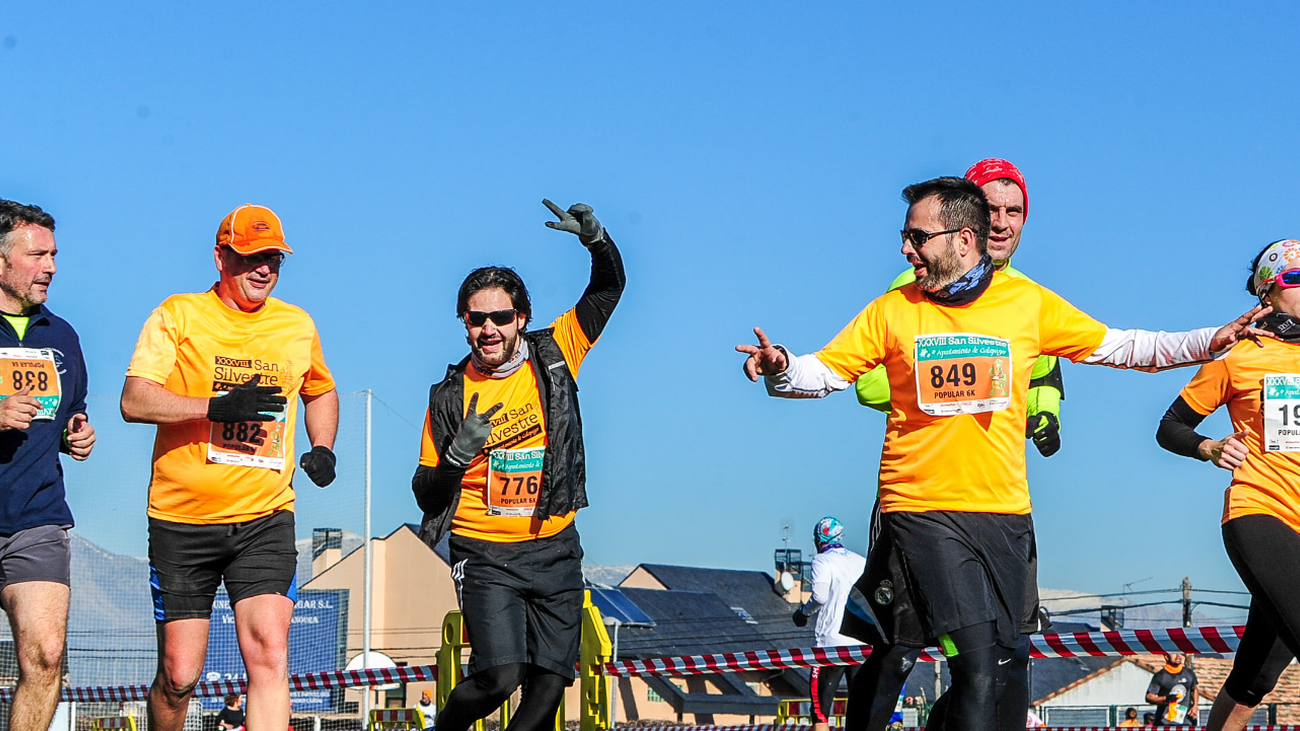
<point x="752" y="592"/>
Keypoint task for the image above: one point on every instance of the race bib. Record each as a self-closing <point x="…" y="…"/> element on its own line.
<point x="248" y="443"/>
<point x="1282" y="412"/>
<point x="514" y="479"/>
<point x="32" y="368"/>
<point x="962" y="373"/>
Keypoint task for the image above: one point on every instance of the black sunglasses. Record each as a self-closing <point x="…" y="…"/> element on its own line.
<point x="274" y="258"/>
<point x="500" y="318"/>
<point x="918" y="236"/>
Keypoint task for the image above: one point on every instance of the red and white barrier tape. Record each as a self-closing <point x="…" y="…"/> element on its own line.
<point x="308" y="681"/>
<point x="1186" y="640"/>
<point x="806" y="727"/>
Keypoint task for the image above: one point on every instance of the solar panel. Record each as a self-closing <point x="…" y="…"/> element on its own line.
<point x="612" y="603"/>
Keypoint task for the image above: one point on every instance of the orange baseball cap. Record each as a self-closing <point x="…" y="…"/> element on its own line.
<point x="249" y="229"/>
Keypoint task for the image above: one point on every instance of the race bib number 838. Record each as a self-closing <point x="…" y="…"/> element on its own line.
<point x="962" y="373"/>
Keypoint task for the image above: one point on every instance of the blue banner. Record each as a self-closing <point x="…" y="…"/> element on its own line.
<point x="317" y="643"/>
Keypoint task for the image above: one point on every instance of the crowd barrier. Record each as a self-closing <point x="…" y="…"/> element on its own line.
<point x="396" y="719"/>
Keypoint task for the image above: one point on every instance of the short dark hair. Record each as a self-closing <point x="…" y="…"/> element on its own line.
<point x="231" y="698"/>
<point x="13" y="215"/>
<point x="489" y="277"/>
<point x="961" y="205"/>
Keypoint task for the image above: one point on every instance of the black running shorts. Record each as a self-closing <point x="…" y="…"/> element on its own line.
<point x="187" y="563"/>
<point x="522" y="602"/>
<point x="931" y="573"/>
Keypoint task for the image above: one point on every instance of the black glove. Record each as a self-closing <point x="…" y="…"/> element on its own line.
<point x="579" y="220"/>
<point x="472" y="435"/>
<point x="1045" y="430"/>
<point x="800" y="619"/>
<point x="246" y="402"/>
<point x="319" y="465"/>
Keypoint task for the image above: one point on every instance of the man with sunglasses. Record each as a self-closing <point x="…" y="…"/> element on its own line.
<point x="221" y="373"/>
<point x="1004" y="186"/>
<point x="502" y="468"/>
<point x="950" y="562"/>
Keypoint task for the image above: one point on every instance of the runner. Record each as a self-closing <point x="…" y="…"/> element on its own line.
<point x="221" y="373"/>
<point x="951" y="561"/>
<point x="834" y="569"/>
<point x="508" y="487"/>
<point x="42" y="413"/>
<point x="1260" y="385"/>
<point x="1004" y="186"/>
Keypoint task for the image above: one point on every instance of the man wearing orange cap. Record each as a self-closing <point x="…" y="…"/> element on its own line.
<point x="220" y="372"/>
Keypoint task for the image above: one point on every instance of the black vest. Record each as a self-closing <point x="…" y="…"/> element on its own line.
<point x="564" y="469"/>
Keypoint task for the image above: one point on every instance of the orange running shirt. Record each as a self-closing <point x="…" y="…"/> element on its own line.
<point x="955" y="439"/>
<point x="1267" y="482"/>
<point x="194" y="345"/>
<point x="519" y="425"/>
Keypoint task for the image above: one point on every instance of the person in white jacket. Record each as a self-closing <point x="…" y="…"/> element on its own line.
<point x="834" y="570"/>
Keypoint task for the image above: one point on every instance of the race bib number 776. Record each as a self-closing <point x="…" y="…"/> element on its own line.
<point x="962" y="373"/>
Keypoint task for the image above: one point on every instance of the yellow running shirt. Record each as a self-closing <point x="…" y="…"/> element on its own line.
<point x="959" y="378"/>
<point x="519" y="425"/>
<point x="194" y="345"/>
<point x="1268" y="481"/>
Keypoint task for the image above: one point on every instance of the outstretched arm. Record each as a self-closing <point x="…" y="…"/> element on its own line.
<point x="607" y="276"/>
<point x="787" y="376"/>
<point x="1146" y="350"/>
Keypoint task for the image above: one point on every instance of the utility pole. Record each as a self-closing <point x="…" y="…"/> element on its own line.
<point x="1187" y="602"/>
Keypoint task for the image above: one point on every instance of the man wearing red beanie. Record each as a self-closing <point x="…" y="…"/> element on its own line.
<point x="1008" y="196"/>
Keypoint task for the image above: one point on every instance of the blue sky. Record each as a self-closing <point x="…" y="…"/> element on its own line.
<point x="747" y="157"/>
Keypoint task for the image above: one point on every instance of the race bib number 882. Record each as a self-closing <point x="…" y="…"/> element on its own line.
<point x="962" y="373"/>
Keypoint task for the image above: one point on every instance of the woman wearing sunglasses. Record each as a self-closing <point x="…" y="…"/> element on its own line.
<point x="1260" y="384"/>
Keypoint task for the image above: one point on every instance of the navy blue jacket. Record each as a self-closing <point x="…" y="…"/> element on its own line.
<point x="31" y="478"/>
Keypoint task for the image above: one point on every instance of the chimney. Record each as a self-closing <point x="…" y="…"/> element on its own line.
<point x="326" y="549"/>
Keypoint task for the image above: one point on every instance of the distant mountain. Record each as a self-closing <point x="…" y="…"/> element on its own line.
<point x="608" y="575"/>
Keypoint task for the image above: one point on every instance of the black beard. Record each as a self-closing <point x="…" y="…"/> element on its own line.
<point x="942" y="271"/>
<point x="508" y="350"/>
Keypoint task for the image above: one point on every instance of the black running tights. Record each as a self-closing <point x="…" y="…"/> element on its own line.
<point x="1265" y="551"/>
<point x="483" y="692"/>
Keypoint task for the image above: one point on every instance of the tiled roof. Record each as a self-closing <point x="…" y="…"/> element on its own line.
<point x="1211" y="672"/>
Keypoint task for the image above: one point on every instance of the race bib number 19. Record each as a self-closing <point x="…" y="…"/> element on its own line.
<point x="1282" y="412"/>
<point x="514" y="479"/>
<point x="962" y="373"/>
<point x="33" y="369"/>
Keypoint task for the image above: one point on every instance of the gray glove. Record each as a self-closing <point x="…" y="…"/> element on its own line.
<point x="472" y="435"/>
<point x="578" y="220"/>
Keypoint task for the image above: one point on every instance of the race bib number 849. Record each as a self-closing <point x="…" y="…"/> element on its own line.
<point x="962" y="373"/>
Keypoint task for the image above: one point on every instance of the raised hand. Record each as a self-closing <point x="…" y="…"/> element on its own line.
<point x="1242" y="329"/>
<point x="578" y="220"/>
<point x="1227" y="453"/>
<point x="472" y="435"/>
<point x="246" y="402"/>
<point x="80" y="437"/>
<point x="765" y="359"/>
<point x="18" y="410"/>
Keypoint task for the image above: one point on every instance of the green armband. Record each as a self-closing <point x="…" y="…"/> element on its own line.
<point x="872" y="389"/>
<point x="1044" y="399"/>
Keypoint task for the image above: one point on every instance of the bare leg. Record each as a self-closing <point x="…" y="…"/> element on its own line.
<point x="182" y="648"/>
<point x="38" y="616"/>
<point x="262" y="624"/>
<point x="1227" y="714"/>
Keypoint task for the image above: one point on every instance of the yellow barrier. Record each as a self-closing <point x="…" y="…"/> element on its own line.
<point x="594" y="687"/>
<point x="122" y="723"/>
<point x="395" y="718"/>
<point x="596" y="650"/>
<point x="800" y="709"/>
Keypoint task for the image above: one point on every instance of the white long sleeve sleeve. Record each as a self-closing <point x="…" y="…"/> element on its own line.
<point x="1147" y="350"/>
<point x="805" y="376"/>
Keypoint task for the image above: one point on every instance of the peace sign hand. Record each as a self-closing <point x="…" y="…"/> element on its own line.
<point x="578" y="220"/>
<point x="472" y="435"/>
<point x="764" y="360"/>
<point x="1242" y="328"/>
